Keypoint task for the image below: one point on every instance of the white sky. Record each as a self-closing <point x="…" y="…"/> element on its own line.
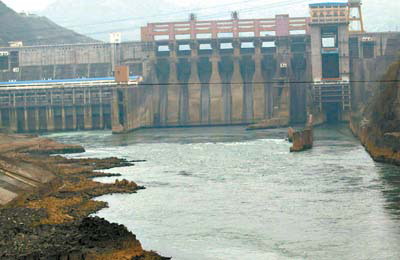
<point x="27" y="5"/>
<point x="37" y="5"/>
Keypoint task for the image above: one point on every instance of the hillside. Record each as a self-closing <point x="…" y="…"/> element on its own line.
<point x="34" y="30"/>
<point x="128" y="15"/>
<point x="378" y="125"/>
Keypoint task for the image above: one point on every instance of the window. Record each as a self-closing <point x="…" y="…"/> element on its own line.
<point x="329" y="42"/>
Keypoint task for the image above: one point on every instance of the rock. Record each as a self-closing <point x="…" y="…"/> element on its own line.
<point x="48" y="218"/>
<point x="290" y="134"/>
<point x="303" y="139"/>
<point x="377" y="125"/>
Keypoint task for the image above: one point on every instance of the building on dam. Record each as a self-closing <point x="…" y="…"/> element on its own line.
<point x="201" y="73"/>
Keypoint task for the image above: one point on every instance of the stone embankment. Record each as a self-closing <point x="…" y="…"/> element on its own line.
<point x="46" y="201"/>
<point x="383" y="147"/>
<point x="378" y="124"/>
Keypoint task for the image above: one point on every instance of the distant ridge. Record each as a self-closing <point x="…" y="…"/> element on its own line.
<point x="34" y="30"/>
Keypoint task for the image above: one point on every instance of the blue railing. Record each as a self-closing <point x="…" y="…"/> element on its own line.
<point x="61" y="81"/>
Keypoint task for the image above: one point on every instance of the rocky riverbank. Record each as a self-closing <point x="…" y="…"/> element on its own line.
<point x="377" y="125"/>
<point x="50" y="199"/>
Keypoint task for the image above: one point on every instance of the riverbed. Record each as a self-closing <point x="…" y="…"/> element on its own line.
<point x="227" y="193"/>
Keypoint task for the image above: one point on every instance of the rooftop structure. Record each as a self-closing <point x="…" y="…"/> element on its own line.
<point x="329" y="13"/>
<point x="281" y="25"/>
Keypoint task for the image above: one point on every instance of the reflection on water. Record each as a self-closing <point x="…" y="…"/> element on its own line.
<point x="226" y="193"/>
<point x="389" y="176"/>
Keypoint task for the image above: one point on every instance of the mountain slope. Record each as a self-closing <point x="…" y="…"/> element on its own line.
<point x="34" y="30"/>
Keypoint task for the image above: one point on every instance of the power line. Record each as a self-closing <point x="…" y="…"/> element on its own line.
<point x="130" y="18"/>
<point x="133" y="28"/>
<point x="187" y="11"/>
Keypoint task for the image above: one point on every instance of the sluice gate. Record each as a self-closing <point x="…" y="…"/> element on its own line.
<point x="202" y="73"/>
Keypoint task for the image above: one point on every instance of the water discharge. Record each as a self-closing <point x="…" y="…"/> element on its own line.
<point x="224" y="193"/>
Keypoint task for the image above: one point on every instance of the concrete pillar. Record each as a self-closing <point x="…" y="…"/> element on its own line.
<point x="50" y="119"/>
<point x="37" y="119"/>
<point x="284" y="102"/>
<point x="74" y="118"/>
<point x="259" y="103"/>
<point x="13" y="119"/>
<point x="63" y="118"/>
<point x="26" y="119"/>
<point x="194" y="93"/>
<point x="101" y="118"/>
<point x="237" y="92"/>
<point x="156" y="104"/>
<point x="88" y="116"/>
<point x="115" y="124"/>
<point x="215" y="93"/>
<point x="54" y="71"/>
<point x="173" y="95"/>
<point x="88" y="70"/>
<point x="344" y="52"/>
<point x="150" y="76"/>
<point x="87" y="111"/>
<point x="316" y="58"/>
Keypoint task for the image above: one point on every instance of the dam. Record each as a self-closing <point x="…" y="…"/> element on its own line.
<point x="206" y="73"/>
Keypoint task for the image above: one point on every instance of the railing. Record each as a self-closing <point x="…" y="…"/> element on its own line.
<point x="54" y="97"/>
<point x="65" y="83"/>
<point x="282" y="25"/>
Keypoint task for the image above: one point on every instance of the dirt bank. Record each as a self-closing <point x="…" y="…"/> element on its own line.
<point x="377" y="125"/>
<point x="48" y="217"/>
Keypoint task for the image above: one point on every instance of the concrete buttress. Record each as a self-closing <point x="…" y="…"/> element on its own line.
<point x="215" y="93"/>
<point x="173" y="95"/>
<point x="237" y="92"/>
<point x="259" y="88"/>
<point x="194" y="93"/>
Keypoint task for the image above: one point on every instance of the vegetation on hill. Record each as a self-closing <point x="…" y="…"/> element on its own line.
<point x="34" y="30"/>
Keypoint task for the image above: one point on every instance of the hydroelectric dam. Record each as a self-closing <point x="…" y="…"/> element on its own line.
<point x="200" y="73"/>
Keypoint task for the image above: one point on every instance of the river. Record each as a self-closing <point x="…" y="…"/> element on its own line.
<point x="227" y="193"/>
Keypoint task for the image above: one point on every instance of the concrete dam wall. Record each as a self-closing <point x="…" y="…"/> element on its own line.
<point x="217" y="80"/>
<point x="222" y="86"/>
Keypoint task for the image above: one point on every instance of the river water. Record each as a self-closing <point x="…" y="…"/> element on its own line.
<point x="227" y="193"/>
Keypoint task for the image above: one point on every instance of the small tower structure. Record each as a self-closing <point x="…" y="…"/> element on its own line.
<point x="356" y="23"/>
<point x="330" y="59"/>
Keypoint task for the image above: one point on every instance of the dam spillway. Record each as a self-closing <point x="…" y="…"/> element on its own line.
<point x="223" y="72"/>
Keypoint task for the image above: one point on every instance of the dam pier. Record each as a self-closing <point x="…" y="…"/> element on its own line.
<point x="201" y="73"/>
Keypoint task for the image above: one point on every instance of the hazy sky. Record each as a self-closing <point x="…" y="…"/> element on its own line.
<point x="27" y="5"/>
<point x="37" y="5"/>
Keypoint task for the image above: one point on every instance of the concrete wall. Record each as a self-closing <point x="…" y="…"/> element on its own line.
<point x="189" y="86"/>
<point x="72" y="61"/>
<point x="219" y="86"/>
<point x="366" y="70"/>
